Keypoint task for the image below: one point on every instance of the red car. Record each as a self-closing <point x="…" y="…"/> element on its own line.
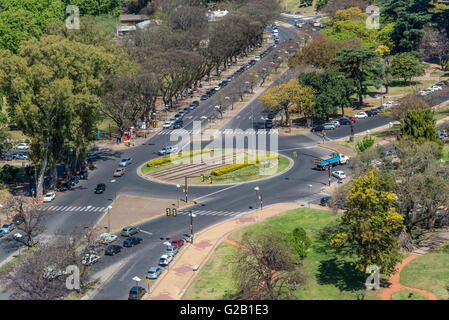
<point x="352" y="119"/>
<point x="177" y="243"/>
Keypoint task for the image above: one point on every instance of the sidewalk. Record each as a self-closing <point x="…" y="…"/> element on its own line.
<point x="173" y="282"/>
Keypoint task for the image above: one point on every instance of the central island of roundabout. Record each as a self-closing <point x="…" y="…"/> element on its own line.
<point x="215" y="166"/>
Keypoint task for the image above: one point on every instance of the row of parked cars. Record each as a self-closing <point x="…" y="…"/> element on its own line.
<point x="332" y="125"/>
<point x="137" y="292"/>
<point x="176" y="120"/>
<point x="434" y="88"/>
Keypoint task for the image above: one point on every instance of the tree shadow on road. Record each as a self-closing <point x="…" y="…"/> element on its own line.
<point x="340" y="274"/>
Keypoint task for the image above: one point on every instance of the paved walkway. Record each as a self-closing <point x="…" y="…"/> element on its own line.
<point x="173" y="282"/>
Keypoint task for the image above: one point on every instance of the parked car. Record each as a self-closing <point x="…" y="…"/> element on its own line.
<point x="374" y="111"/>
<point x="74" y="180"/>
<point x="339" y="174"/>
<point x="329" y="126"/>
<point x="167" y="124"/>
<point x="204" y="97"/>
<point x="89" y="259"/>
<point x="112" y="250"/>
<point x="325" y="200"/>
<point x="84" y="174"/>
<point x="268" y="124"/>
<point x="165" y="260"/>
<point x="119" y="172"/>
<point x="125" y="161"/>
<point x="257" y="58"/>
<point x="18" y="219"/>
<point x="107" y="238"/>
<point x="129" y="231"/>
<point x="318" y="128"/>
<point x="22" y="146"/>
<point x="361" y="115"/>
<point x="136" y="293"/>
<point x="20" y="156"/>
<point x="154" y="273"/>
<point x="172" y="250"/>
<point x="132" y="241"/>
<point x="49" y="197"/>
<point x="101" y="187"/>
<point x="8" y="227"/>
<point x="177" y="125"/>
<point x="335" y="123"/>
<point x="177" y="242"/>
<point x="344" y="121"/>
<point x="369" y="113"/>
<point x="64" y="186"/>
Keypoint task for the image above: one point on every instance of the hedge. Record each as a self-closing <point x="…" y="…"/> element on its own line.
<point x="159" y="161"/>
<point x="230" y="168"/>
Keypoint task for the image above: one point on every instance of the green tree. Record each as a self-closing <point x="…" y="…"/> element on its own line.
<point x="420" y="124"/>
<point x="370" y="226"/>
<point x="22" y="20"/>
<point x="406" y="65"/>
<point x="96" y="7"/>
<point x="52" y="88"/>
<point x="362" y="66"/>
<point x="301" y="242"/>
<point x="332" y="89"/>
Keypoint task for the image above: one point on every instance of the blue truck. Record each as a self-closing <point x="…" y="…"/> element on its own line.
<point x="333" y="160"/>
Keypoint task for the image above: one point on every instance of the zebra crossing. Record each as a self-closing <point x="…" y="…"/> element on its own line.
<point x="72" y="209"/>
<point x="218" y="132"/>
<point x="212" y="213"/>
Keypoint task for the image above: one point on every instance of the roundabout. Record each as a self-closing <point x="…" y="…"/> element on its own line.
<point x="208" y="167"/>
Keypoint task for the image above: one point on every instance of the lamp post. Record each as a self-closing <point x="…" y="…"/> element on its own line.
<point x="257" y="190"/>
<point x="310" y="191"/>
<point x="109" y="219"/>
<point x="177" y="193"/>
<point x="191" y="225"/>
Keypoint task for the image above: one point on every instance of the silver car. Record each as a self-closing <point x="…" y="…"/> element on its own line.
<point x="8" y="227"/>
<point x="154" y="272"/>
<point x="172" y="250"/>
<point x="129" y="231"/>
<point x="329" y="126"/>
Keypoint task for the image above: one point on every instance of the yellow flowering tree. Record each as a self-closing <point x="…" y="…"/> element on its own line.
<point x="370" y="226"/>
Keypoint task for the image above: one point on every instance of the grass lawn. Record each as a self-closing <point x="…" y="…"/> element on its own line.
<point x="445" y="153"/>
<point x="328" y="280"/>
<point x="429" y="272"/>
<point x="441" y="113"/>
<point x="407" y="295"/>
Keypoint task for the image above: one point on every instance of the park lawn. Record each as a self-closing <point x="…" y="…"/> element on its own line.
<point x="408" y="295"/>
<point x="429" y="272"/>
<point x="445" y="153"/>
<point x="327" y="279"/>
<point x="441" y="113"/>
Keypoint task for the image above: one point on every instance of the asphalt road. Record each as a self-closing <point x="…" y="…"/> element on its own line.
<point x="81" y="207"/>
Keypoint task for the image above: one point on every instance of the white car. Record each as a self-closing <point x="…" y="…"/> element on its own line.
<point x="49" y="197"/>
<point x="343" y="159"/>
<point x="125" y="161"/>
<point x="338" y="174"/>
<point x="217" y="88"/>
<point x="361" y="115"/>
<point x="335" y="123"/>
<point x="22" y="146"/>
<point x="257" y="58"/>
<point x="165" y="260"/>
<point x="107" y="238"/>
<point x="436" y="88"/>
<point x="167" y="124"/>
<point x="89" y="259"/>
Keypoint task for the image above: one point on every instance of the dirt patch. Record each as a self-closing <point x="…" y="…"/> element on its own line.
<point x="131" y="210"/>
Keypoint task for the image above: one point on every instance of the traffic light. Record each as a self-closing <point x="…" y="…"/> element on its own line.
<point x="210" y="179"/>
<point x="202" y="178"/>
<point x="174" y="212"/>
<point x="168" y="212"/>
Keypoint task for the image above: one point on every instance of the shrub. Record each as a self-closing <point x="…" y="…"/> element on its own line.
<point x="157" y="162"/>
<point x="365" y="143"/>
<point x="230" y="168"/>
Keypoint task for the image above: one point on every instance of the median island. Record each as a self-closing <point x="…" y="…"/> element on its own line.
<point x="210" y="167"/>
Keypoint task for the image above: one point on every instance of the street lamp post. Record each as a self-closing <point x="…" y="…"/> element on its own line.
<point x="109" y="219"/>
<point x="257" y="190"/>
<point x="177" y="193"/>
<point x="310" y="191"/>
<point x="191" y="225"/>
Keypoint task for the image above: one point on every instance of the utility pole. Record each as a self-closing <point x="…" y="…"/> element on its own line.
<point x="186" y="187"/>
<point x="329" y="168"/>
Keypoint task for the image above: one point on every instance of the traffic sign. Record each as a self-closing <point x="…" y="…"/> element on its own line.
<point x="148" y="281"/>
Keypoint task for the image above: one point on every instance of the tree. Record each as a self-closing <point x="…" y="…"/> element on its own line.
<point x="410" y="102"/>
<point x="301" y="242"/>
<point x="405" y="66"/>
<point x="409" y="17"/>
<point x="435" y="44"/>
<point x="332" y="6"/>
<point x="353" y="13"/>
<point x="347" y="29"/>
<point x="23" y="20"/>
<point x="360" y="65"/>
<point x="332" y="90"/>
<point x="253" y="79"/>
<point x="319" y="52"/>
<point x="370" y="226"/>
<point x="96" y="7"/>
<point x="288" y="97"/>
<point x="52" y="87"/>
<point x="420" y="124"/>
<point x="266" y="267"/>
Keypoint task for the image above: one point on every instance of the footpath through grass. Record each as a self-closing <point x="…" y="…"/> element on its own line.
<point x="328" y="279"/>
<point x="429" y="272"/>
